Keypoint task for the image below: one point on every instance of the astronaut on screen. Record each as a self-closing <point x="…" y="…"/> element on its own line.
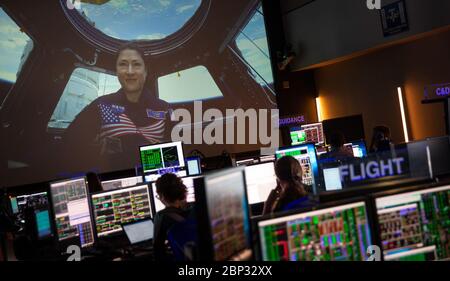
<point x="113" y="126"/>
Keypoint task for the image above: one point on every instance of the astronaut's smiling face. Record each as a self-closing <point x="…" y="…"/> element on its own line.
<point x="131" y="71"/>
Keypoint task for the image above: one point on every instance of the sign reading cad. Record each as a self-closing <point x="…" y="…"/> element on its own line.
<point x="437" y="92"/>
<point x="372" y="168"/>
<point x="443" y="92"/>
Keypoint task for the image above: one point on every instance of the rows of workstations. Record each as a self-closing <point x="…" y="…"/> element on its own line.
<point x="371" y="201"/>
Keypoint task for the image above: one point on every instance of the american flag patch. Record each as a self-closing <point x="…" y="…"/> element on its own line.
<point x="116" y="124"/>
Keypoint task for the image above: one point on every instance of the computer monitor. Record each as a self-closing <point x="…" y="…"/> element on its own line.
<point x="14" y="205"/>
<point x="190" y="197"/>
<point x="321" y="149"/>
<point x="248" y="161"/>
<point x="440" y="155"/>
<point x="359" y="148"/>
<point x="43" y="225"/>
<point x="223" y="216"/>
<point x="267" y="158"/>
<point x="307" y="133"/>
<point x="194" y="166"/>
<point x="418" y="158"/>
<point x="158" y="159"/>
<point x="332" y="178"/>
<point x="260" y="181"/>
<point x="71" y="211"/>
<point x="415" y="225"/>
<point x="352" y="127"/>
<point x="116" y="207"/>
<point x="139" y="232"/>
<point x="298" y="136"/>
<point x="306" y="155"/>
<point x="339" y="233"/>
<point x="120" y="183"/>
<point x="314" y="133"/>
<point x="30" y="207"/>
<point x="38" y="200"/>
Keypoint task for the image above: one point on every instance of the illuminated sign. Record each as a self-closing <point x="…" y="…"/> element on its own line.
<point x="295" y="120"/>
<point x="372" y="169"/>
<point x="437" y="92"/>
<point x="443" y="92"/>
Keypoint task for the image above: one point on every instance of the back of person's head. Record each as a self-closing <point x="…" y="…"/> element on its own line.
<point x="381" y="139"/>
<point x="336" y="140"/>
<point x="170" y="187"/>
<point x="382" y="132"/>
<point x="288" y="169"/>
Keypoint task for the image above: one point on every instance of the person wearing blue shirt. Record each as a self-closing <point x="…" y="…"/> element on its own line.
<point x="290" y="192"/>
<point x="107" y="133"/>
<point x="172" y="193"/>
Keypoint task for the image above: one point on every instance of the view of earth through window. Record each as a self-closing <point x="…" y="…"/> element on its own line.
<point x="139" y="19"/>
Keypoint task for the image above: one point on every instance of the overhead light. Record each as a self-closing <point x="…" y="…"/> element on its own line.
<point x="402" y="111"/>
<point x="319" y="110"/>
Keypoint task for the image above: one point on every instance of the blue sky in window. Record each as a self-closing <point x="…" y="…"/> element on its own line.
<point x="12" y="45"/>
<point x="253" y="44"/>
<point x="140" y="19"/>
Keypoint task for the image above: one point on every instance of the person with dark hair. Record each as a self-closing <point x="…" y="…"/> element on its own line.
<point x="172" y="193"/>
<point x="113" y="126"/>
<point x="290" y="192"/>
<point x="337" y="150"/>
<point x="381" y="139"/>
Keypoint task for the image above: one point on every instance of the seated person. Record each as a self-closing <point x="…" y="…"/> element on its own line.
<point x="172" y="193"/>
<point x="337" y="152"/>
<point x="381" y="139"/>
<point x="290" y="192"/>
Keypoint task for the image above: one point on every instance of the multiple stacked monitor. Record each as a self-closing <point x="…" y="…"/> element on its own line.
<point x="111" y="209"/>
<point x="409" y="224"/>
<point x="72" y="216"/>
<point x="406" y="224"/>
<point x="33" y="206"/>
<point x="337" y="233"/>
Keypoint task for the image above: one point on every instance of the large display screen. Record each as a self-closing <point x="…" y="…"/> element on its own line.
<point x="77" y="117"/>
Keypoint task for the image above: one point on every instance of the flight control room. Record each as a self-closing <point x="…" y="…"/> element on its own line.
<point x="253" y="132"/>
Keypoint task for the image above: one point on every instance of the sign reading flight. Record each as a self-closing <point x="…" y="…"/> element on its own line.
<point x="376" y="167"/>
<point x="372" y="169"/>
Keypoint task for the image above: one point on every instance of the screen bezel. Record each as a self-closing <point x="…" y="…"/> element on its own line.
<point x="366" y="200"/>
<point x="394" y="192"/>
<point x="63" y="242"/>
<point x="121" y="232"/>
<point x="160" y="144"/>
<point x="137" y="222"/>
<point x="199" y="165"/>
<point x="311" y="149"/>
<point x="206" y="245"/>
<point x="153" y="194"/>
<point x="246" y="187"/>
